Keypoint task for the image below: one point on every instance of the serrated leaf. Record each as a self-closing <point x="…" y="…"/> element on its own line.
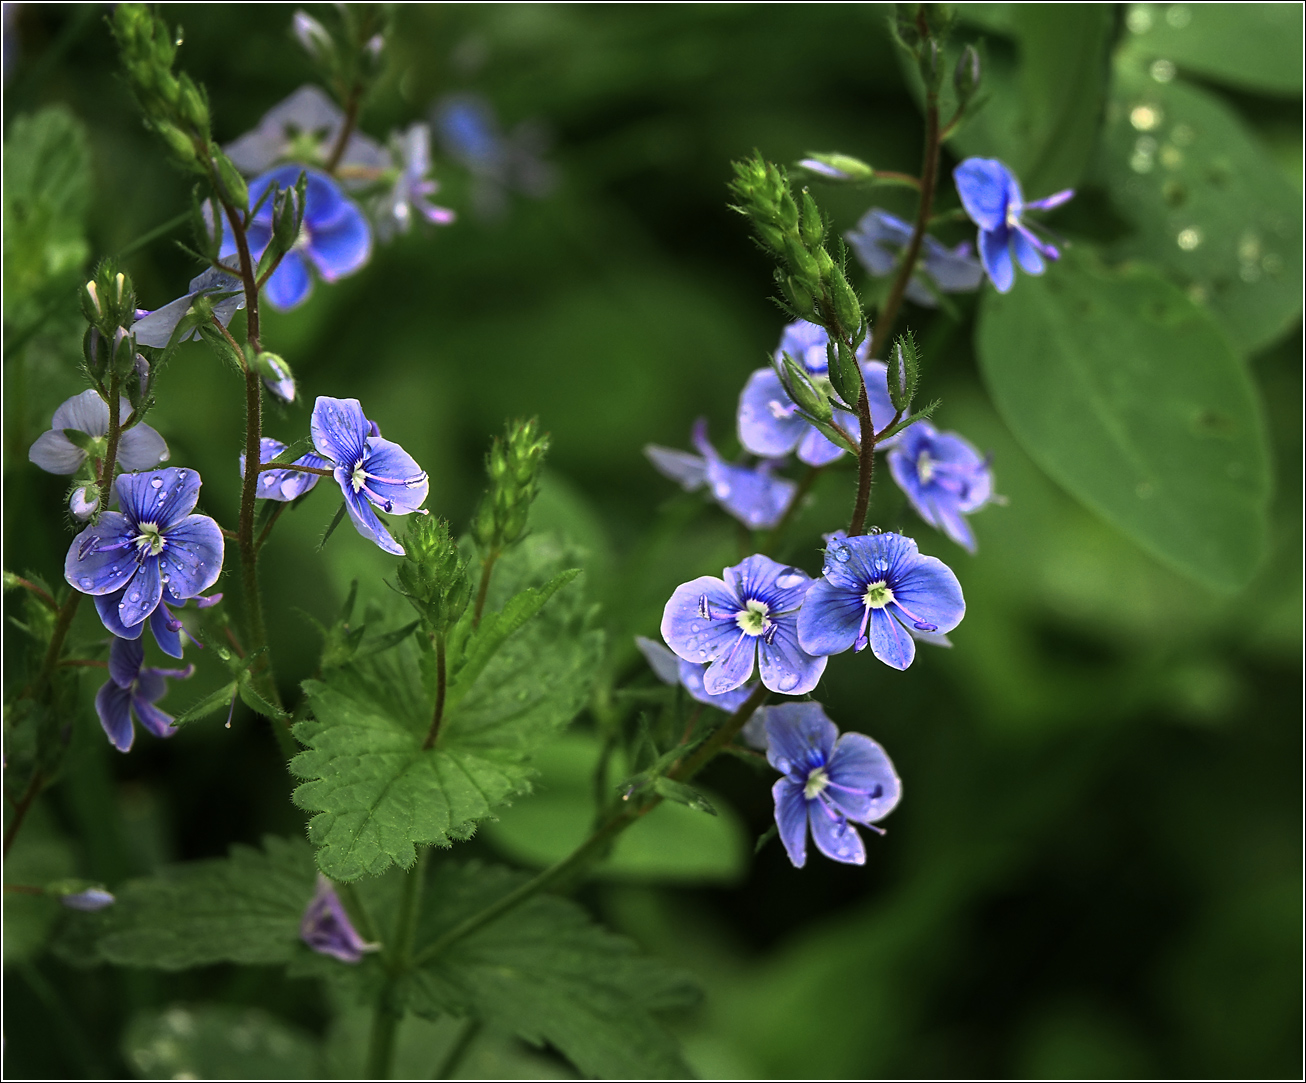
<point x="547" y="973"/>
<point x="1129" y="396"/>
<point x="220" y="699"/>
<point x="377" y="793"/>
<point x="214" y="1041"/>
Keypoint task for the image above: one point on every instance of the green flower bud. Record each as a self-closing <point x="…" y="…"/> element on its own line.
<point x="192" y="105"/>
<point x="837" y="167"/>
<point x="433" y="575"/>
<point x="804" y="265"/>
<point x="809" y="397"/>
<point x="813" y="226"/>
<point x="179" y="144"/>
<point x="845" y="376"/>
<point x="966" y="75"/>
<point x="231" y="185"/>
<point x="286" y="217"/>
<point x="847" y="306"/>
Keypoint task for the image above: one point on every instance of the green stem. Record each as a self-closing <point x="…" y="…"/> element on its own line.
<point x="398" y="959"/>
<point x="455" y="1056"/>
<point x="487" y="567"/>
<point x="441" y="683"/>
<point x="20" y="810"/>
<point x="381" y="1045"/>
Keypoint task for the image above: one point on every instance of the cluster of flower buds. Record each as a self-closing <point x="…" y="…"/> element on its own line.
<point x="433" y="575"/>
<point x="514" y="466"/>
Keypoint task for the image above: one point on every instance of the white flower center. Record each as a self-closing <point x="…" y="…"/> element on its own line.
<point x="878" y="595"/>
<point x="149" y="541"/>
<point x="816" y="783"/>
<point x="358" y="478"/>
<point x="924" y="467"/>
<point x="752" y="618"/>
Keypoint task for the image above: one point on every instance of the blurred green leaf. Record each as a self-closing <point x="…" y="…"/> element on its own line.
<point x="377" y="793"/>
<point x="1208" y="203"/>
<point x="40" y="854"/>
<point x="672" y="844"/>
<point x="546" y="972"/>
<point x="213" y="1041"/>
<point x="1251" y="46"/>
<point x="1128" y="395"/>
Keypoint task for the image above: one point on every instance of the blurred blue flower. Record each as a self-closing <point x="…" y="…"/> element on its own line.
<point x="304" y="128"/>
<point x="944" y="477"/>
<point x="412" y="188"/>
<point x="133" y="689"/>
<point x="750" y="617"/>
<point x="153" y="544"/>
<point x="91" y="899"/>
<point x="287" y="484"/>
<point x="878" y="589"/>
<point x="371" y="471"/>
<point x="326" y="927"/>
<point x="991" y="195"/>
<point x="752" y="494"/>
<point x="828" y="781"/>
<point x="139" y="447"/>
<point x="879" y="240"/>
<point x="469" y="133"/>
<point x="156" y="328"/>
<point x="335" y="237"/>
<point x="768" y="419"/>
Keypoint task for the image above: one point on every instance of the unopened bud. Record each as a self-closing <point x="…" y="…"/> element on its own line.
<point x="847" y="307"/>
<point x="192" y="106"/>
<point x="286" y="218"/>
<point x="812" y="228"/>
<point x="966" y="75"/>
<point x="810" y="398"/>
<point x="276" y="374"/>
<point x="84" y="501"/>
<point x="231" y="185"/>
<point x="312" y="35"/>
<point x="93" y="298"/>
<point x="837" y="167"/>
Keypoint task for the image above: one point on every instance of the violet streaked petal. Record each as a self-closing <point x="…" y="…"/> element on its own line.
<point x="394" y="476"/>
<point x="125" y="659"/>
<point x="834" y="836"/>
<point x="165" y="635"/>
<point x="339" y="430"/>
<point x="664" y="664"/>
<point x="889" y="640"/>
<point x="162" y="497"/>
<point x="54" y="453"/>
<point x="1027" y="254"/>
<point x="799" y="737"/>
<point x="784" y="665"/>
<point x="102" y="558"/>
<point x="192" y="556"/>
<point x="143" y="593"/>
<point x="830" y="618"/>
<point x="733" y="667"/>
<point x="113" y="705"/>
<point x="365" y="519"/>
<point x="691" y="676"/>
<point x="106" y="605"/>
<point x="863" y="783"/>
<point x="153" y="719"/>
<point x="815" y="449"/>
<point x="698" y="622"/>
<point x="926" y="591"/>
<point x="86" y="412"/>
<point x="791" y="819"/>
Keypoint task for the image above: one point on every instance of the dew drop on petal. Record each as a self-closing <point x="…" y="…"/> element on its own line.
<point x="136" y="596"/>
<point x="790" y="579"/>
<point x="156" y="482"/>
<point x="87" y="582"/>
<point x="842" y="554"/>
<point x="788" y="681"/>
<point x="783" y="766"/>
<point x="695" y="627"/>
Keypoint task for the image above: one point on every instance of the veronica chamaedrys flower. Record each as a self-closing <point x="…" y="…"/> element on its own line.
<point x="139" y="447"/>
<point x="748" y="618"/>
<point x="166" y="628"/>
<point x="370" y="470"/>
<point x="829" y="783"/>
<point x="672" y="669"/>
<point x="991" y="195"/>
<point x="769" y="421"/>
<point x="752" y="494"/>
<point x="303" y="128"/>
<point x="944" y="478"/>
<point x="156" y="328"/>
<point x="133" y="689"/>
<point x="412" y="188"/>
<point x="287" y="484"/>
<point x="876" y="590"/>
<point x="326" y="927"/>
<point x="334" y="237"/>
<point x="153" y="544"/>
<point x="90" y="899"/>
<point x="469" y="133"/>
<point x="878" y="243"/>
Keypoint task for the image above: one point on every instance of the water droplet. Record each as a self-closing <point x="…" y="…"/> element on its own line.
<point x="783" y="766"/>
<point x="1139" y="19"/>
<point x="788" y="682"/>
<point x="136" y="596"/>
<point x="790" y="579"/>
<point x="842" y="554"/>
<point x="86" y="582"/>
<point x="695" y="627"/>
<point x="156" y="482"/>
<point x="702" y="656"/>
<point x="721" y="490"/>
<point x="163" y="579"/>
<point x="1178" y="16"/>
<point x="1162" y="71"/>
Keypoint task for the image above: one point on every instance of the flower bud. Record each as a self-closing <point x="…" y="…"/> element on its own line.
<point x="286" y="217"/>
<point x="231" y="185"/>
<point x="845" y="376"/>
<point x="91" y="307"/>
<point x="277" y="377"/>
<point x="812" y="229"/>
<point x="966" y="75"/>
<point x="191" y="104"/>
<point x="837" y="167"/>
<point x="96" y="350"/>
<point x="179" y="144"/>
<point x="805" y="266"/>
<point x="847" y="307"/>
<point x="124" y="353"/>
<point x="810" y="398"/>
<point x="84" y="502"/>
<point x="312" y="35"/>
<point x="433" y="575"/>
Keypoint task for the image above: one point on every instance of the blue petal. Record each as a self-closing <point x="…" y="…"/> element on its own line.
<point x="926" y="591"/>
<point x="106" y="605"/>
<point x="192" y="556"/>
<point x="125" y="658"/>
<point x="1026" y="254"/>
<point x="343" y="246"/>
<point x="156" y="329"/>
<point x="691" y="676"/>
<point x="751" y="494"/>
<point x="693" y="636"/>
<point x="163" y="497"/>
<point x="805" y="343"/>
<point x="113" y="705"/>
<point x="791" y="819"/>
<point x="732" y="668"/>
<point x="290" y="283"/>
<point x="954" y="270"/>
<point x="394" y="476"/>
<point x="141" y="448"/>
<point x="325" y="205"/>
<point x="876" y="375"/>
<point x="784" y="665"/>
<point x="102" y="557"/>
<point x="816" y="450"/>
<point x="54" y="453"/>
<point x="87" y="412"/>
<point x="780" y="586"/>
<point x="142" y="595"/>
<point x="995" y="254"/>
<point x="834" y="835"/>
<point x="863" y="784"/>
<point x="364" y="518"/>
<point x="687" y="470"/>
<point x="768" y="421"/>
<point x="799" y="738"/>
<point x="830" y="618"/>
<point x="876" y="230"/>
<point x="167" y="637"/>
<point x="152" y="718"/>
<point x="889" y="640"/>
<point x="985" y="186"/>
<point x="662" y="661"/>
<point x="340" y="430"/>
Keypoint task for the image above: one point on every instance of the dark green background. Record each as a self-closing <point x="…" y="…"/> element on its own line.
<point x="1096" y="869"/>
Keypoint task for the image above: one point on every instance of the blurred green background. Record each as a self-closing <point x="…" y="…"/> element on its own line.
<point x="1096" y="870"/>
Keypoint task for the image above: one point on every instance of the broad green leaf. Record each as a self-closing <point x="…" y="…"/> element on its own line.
<point x="546" y="972"/>
<point x="213" y="1041"/>
<point x="1207" y="203"/>
<point x="40" y="854"/>
<point x="671" y="844"/>
<point x="377" y="793"/>
<point x="47" y="188"/>
<point x="1128" y="395"/>
<point x="1251" y="46"/>
<point x="244" y="908"/>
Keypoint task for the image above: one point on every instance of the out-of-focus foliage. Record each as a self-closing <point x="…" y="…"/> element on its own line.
<point x="1096" y="868"/>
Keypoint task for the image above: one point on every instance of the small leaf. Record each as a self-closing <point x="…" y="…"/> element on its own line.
<point x="210" y="704"/>
<point x="682" y="794"/>
<point x="254" y="700"/>
<point x="331" y="526"/>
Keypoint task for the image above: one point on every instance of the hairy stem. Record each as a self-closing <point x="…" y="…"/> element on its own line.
<point x="441" y="682"/>
<point x="487" y="567"/>
<point x="865" y="464"/>
<point x="20" y="810"/>
<point x="398" y="958"/>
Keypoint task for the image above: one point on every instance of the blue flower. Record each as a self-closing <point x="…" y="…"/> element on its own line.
<point x="769" y="421"/>
<point x="133" y="689"/>
<point x="284" y="484"/>
<point x="91" y="899"/>
<point x="334" y="236"/>
<point x="156" y="328"/>
<point x="752" y="494"/>
<point x="370" y="471"/>
<point x="878" y="589"/>
<point x="879" y="240"/>
<point x="671" y="669"/>
<point x="166" y="628"/>
<point x="153" y="544"/>
<point x="139" y="447"/>
<point x="412" y="188"/>
<point x="303" y="128"/>
<point x="750" y="617"/>
<point x="326" y="927"/>
<point x="826" y="783"/>
<point x="944" y="478"/>
<point x="991" y="195"/>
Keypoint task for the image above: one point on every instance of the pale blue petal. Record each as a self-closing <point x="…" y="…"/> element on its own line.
<point x="192" y="556"/>
<point x="768" y="420"/>
<point x="698" y="622"/>
<point x="889" y="640"/>
<point x="364" y="518"/>
<point x="784" y="665"/>
<point x="142" y="595"/>
<point x="663" y="662"/>
<point x="830" y="618"/>
<point x="863" y="783"/>
<point x="394" y="476"/>
<point x="54" y="453"/>
<point x="339" y="430"/>
<point x="799" y="738"/>
<point x="834" y="835"/>
<point x="734" y="667"/>
<point x="985" y="187"/>
<point x="113" y="705"/>
<point x="141" y="448"/>
<point x="791" y="819"/>
<point x="102" y="557"/>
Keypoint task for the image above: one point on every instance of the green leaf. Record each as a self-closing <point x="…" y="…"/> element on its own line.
<point x="1207" y="202"/>
<point x="546" y="972"/>
<point x="254" y="700"/>
<point x="672" y="844"/>
<point x="1251" y="46"/>
<point x="377" y="793"/>
<point x="215" y="701"/>
<point x="213" y="1041"/>
<point x="682" y="795"/>
<point x="1128" y="395"/>
<point x="245" y="908"/>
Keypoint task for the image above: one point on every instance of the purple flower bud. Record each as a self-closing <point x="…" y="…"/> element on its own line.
<point x="326" y="927"/>
<point x="83" y="502"/>
<point x="93" y="898"/>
